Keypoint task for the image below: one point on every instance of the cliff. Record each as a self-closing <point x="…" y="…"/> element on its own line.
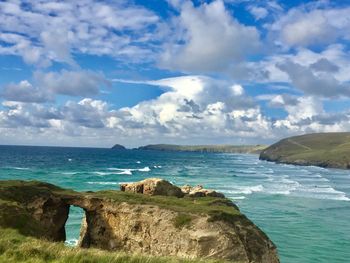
<point x="255" y="149"/>
<point x="186" y="227"/>
<point x="319" y="149"/>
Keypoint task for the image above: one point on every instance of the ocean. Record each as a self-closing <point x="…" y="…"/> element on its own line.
<point x="304" y="210"/>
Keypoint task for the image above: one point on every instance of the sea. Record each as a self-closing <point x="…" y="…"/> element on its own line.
<point x="304" y="210"/>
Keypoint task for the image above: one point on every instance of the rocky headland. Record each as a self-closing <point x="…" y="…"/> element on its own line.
<point x="151" y="217"/>
<point x="319" y="149"/>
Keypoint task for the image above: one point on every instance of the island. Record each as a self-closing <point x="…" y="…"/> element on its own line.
<point x="223" y="148"/>
<point x="148" y="221"/>
<point x="319" y="149"/>
<point x="118" y="147"/>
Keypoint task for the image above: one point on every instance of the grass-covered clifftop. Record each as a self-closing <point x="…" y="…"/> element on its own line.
<point x="25" y="208"/>
<point x="319" y="149"/>
<point x="206" y="148"/>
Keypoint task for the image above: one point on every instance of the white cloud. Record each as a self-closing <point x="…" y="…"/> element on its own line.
<point x="25" y="92"/>
<point x="304" y="26"/>
<point x="47" y="85"/>
<point x="208" y="38"/>
<point x="215" y="111"/>
<point x="258" y="12"/>
<point x="46" y="31"/>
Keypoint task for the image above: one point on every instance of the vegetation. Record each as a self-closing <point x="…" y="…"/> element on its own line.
<point x="21" y="235"/>
<point x="182" y="220"/>
<point x="320" y="149"/>
<point x="206" y="148"/>
<point x="15" y="247"/>
<point x="199" y="205"/>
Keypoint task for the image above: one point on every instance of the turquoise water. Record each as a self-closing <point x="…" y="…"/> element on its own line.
<point x="304" y="210"/>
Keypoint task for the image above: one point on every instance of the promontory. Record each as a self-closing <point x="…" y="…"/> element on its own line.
<point x="319" y="149"/>
<point x="148" y="221"/>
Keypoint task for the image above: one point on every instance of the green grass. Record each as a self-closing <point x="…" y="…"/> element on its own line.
<point x="199" y="205"/>
<point x="15" y="247"/>
<point x="182" y="220"/>
<point x="322" y="149"/>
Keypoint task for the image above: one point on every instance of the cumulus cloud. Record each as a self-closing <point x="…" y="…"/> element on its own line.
<point x="24" y="92"/>
<point x="193" y="109"/>
<point x="305" y="26"/>
<point x="72" y="83"/>
<point x="321" y="84"/>
<point x="45" y="31"/>
<point x="208" y="38"/>
<point x="324" y="65"/>
<point x="47" y="85"/>
<point x="258" y="12"/>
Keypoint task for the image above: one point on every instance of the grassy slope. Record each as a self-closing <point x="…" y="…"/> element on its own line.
<point x="322" y="149"/>
<point x="19" y="233"/>
<point x="206" y="148"/>
<point x="15" y="247"/>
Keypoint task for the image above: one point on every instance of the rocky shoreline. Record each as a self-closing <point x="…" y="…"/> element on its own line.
<point x="151" y="217"/>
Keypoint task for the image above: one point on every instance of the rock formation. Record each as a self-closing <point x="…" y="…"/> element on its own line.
<point x="199" y="191"/>
<point x="152" y="186"/>
<point x="186" y="227"/>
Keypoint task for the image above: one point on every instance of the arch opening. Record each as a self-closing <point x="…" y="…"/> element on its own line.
<point x="73" y="225"/>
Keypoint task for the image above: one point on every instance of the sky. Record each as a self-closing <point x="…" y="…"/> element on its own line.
<point x="97" y="73"/>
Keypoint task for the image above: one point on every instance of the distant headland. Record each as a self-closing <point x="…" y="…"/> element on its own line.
<point x="320" y="149"/>
<point x="219" y="148"/>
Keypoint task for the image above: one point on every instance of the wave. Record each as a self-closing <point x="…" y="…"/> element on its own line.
<point x="145" y="169"/>
<point x="245" y="190"/>
<point x="18" y="168"/>
<point x="129" y="170"/>
<point x="126" y="171"/>
<point x="68" y="173"/>
<point x="71" y="242"/>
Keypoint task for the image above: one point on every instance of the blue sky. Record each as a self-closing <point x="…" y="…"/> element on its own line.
<point x="96" y="73"/>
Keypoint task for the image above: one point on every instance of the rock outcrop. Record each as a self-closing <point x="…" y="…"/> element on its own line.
<point x="152" y="186"/>
<point x="199" y="191"/>
<point x="186" y="227"/>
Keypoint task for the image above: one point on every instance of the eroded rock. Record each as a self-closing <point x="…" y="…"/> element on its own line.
<point x="184" y="227"/>
<point x="199" y="191"/>
<point x="152" y="186"/>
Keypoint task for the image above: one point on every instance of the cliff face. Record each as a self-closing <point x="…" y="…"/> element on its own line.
<point x="152" y="230"/>
<point x="188" y="227"/>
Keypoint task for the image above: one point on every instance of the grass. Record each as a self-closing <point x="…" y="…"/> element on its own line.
<point x="182" y="220"/>
<point x="199" y="205"/>
<point x="15" y="247"/>
<point x="322" y="149"/>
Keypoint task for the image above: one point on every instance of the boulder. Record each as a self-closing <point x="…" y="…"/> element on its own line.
<point x="199" y="191"/>
<point x="153" y="186"/>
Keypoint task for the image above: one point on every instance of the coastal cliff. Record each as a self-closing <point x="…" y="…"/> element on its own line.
<point x="320" y="149"/>
<point x="185" y="227"/>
